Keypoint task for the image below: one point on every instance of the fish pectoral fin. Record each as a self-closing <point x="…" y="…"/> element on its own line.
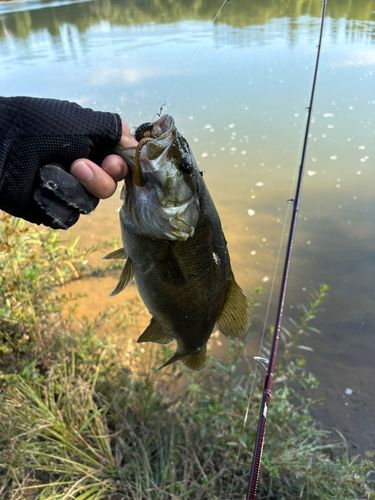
<point x="234" y="319"/>
<point x="194" y="361"/>
<point x="172" y="268"/>
<point x="117" y="254"/>
<point x="126" y="277"/>
<point x="154" y="333"/>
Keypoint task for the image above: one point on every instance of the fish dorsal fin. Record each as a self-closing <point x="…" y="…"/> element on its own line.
<point x="154" y="333"/>
<point x="234" y="319"/>
<point x="117" y="254"/>
<point x="194" y="361"/>
<point x="126" y="277"/>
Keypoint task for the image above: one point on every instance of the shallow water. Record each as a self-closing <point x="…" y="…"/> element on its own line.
<point x="240" y="102"/>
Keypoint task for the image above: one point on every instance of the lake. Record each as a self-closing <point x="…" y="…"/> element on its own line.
<point x="239" y="89"/>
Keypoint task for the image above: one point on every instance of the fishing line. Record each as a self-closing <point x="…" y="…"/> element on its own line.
<point x="187" y="64"/>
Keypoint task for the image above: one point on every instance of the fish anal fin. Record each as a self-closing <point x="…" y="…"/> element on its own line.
<point x="117" y="254"/>
<point x="125" y="279"/>
<point x="194" y="361"/>
<point x="234" y="319"/>
<point x="154" y="333"/>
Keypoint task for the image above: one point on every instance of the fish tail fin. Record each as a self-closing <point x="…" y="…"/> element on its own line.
<point x="194" y="361"/>
<point x="234" y="319"/>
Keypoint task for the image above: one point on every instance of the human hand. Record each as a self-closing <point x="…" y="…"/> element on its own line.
<point x="40" y="139"/>
<point x="102" y="181"/>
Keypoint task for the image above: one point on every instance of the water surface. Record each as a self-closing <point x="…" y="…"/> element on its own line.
<point x="240" y="102"/>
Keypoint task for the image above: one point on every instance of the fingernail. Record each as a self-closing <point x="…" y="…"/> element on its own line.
<point x="81" y="172"/>
<point x="113" y="168"/>
<point x="128" y="141"/>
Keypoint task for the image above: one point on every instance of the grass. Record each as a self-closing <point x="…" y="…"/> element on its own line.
<point x="82" y="419"/>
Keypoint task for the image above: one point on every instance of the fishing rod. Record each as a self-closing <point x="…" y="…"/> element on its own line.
<point x="258" y="448"/>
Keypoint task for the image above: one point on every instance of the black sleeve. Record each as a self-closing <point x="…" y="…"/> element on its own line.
<point x="39" y="139"/>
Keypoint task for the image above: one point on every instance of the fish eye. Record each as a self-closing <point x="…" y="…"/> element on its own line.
<point x="186" y="165"/>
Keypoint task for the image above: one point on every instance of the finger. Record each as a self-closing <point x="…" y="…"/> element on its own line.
<point x="127" y="140"/>
<point x="115" y="166"/>
<point x="95" y="180"/>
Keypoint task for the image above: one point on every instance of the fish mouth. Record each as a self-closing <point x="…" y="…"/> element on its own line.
<point x="159" y="194"/>
<point x="155" y="138"/>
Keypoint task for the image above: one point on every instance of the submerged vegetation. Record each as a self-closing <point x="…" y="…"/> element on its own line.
<point x="83" y="419"/>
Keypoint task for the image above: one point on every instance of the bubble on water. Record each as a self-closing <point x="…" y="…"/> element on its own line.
<point x="326" y="115"/>
<point x="253" y="252"/>
<point x="222" y="148"/>
<point x="204" y="154"/>
<point x="243" y="152"/>
<point x="246" y="108"/>
<point x="355" y="197"/>
<point x="191" y="117"/>
<point x="262" y="164"/>
<point x="251" y="212"/>
<point x="340" y="206"/>
<point x="259" y="184"/>
<point x="363" y="159"/>
<point x="304" y="289"/>
<point x="311" y="172"/>
<point x="330" y="126"/>
<point x="265" y="279"/>
<point x="349" y="139"/>
<point x="361" y="147"/>
<point x="338" y="185"/>
<point x="334" y="157"/>
<point x="348" y="391"/>
<point x="308" y="242"/>
<point x="233" y="149"/>
<point x="253" y="196"/>
<point x="358" y="172"/>
<point x="351" y="107"/>
<point x="231" y="125"/>
<point x="195" y="139"/>
<point x="212" y="129"/>
<point x="264" y="239"/>
<point x="296" y="114"/>
<point x="235" y="165"/>
<point x="208" y="126"/>
<point x="324" y="135"/>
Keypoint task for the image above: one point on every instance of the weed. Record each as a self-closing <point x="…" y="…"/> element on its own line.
<point x="91" y="426"/>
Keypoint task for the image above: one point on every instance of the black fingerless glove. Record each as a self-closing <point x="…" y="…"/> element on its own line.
<point x="39" y="139"/>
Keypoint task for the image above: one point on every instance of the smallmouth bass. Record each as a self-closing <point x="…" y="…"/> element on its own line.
<point x="175" y="248"/>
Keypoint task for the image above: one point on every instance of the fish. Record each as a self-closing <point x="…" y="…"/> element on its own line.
<point x="174" y="247"/>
